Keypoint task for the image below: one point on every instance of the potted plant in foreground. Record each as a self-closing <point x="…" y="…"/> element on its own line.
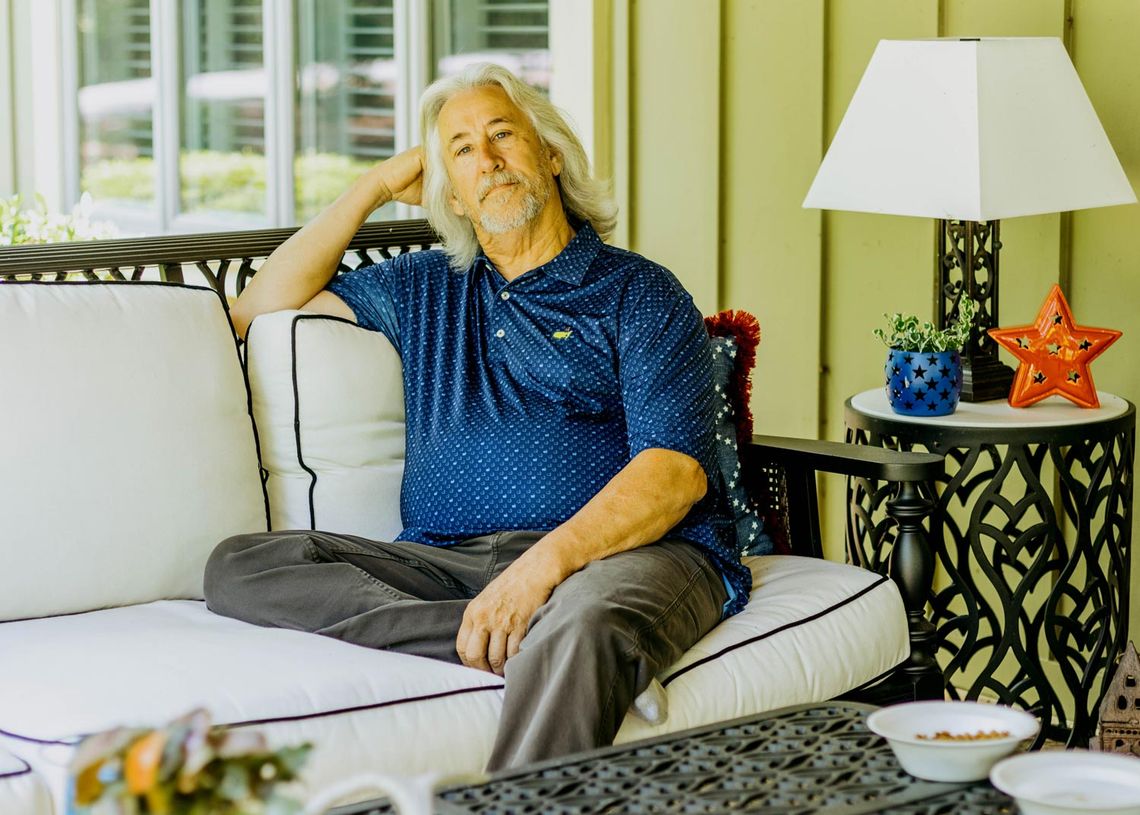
<point x="924" y="367"/>
<point x="184" y="768"/>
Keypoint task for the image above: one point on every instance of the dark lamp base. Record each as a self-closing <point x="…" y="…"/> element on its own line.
<point x="985" y="378"/>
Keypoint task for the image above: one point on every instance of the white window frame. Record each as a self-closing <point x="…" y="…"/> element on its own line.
<point x="7" y="103"/>
<point x="588" y="75"/>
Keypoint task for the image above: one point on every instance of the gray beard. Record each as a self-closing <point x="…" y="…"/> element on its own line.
<point x="533" y="200"/>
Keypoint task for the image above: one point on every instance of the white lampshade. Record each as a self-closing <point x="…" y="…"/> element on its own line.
<point x="971" y="129"/>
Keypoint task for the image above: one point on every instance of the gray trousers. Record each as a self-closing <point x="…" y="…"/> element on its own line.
<point x="588" y="652"/>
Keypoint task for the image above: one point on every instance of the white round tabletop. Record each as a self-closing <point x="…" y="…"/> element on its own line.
<point x="1052" y="412"/>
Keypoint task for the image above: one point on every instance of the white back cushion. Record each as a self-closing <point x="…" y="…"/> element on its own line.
<point x="127" y="450"/>
<point x="328" y="397"/>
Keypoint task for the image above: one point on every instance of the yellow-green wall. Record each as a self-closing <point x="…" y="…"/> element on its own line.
<point x="732" y="105"/>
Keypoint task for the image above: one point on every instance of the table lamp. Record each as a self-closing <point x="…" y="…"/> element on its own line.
<point x="969" y="131"/>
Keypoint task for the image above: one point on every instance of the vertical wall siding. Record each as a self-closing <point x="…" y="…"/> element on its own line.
<point x="873" y="263"/>
<point x="1105" y="248"/>
<point x="675" y="114"/>
<point x="772" y="253"/>
<point x="776" y="79"/>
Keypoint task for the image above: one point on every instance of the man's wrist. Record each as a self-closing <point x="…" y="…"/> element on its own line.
<point x="378" y="186"/>
<point x="551" y="558"/>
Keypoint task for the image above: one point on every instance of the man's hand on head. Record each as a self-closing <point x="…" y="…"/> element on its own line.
<point x="496" y="621"/>
<point x="402" y="175"/>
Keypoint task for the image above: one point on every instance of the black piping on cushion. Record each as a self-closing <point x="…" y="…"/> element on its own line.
<point x="374" y="706"/>
<point x="411" y="700"/>
<point x="297" y="422"/>
<point x="69" y="742"/>
<point x="297" y="404"/>
<point x="822" y="613"/>
<point x="300" y="717"/>
<point x="17" y="773"/>
<point x="262" y="474"/>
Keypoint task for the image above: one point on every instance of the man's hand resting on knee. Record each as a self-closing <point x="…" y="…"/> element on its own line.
<point x="496" y="620"/>
<point x="642" y="502"/>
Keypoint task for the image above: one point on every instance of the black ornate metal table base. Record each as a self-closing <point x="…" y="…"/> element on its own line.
<point x="1031" y="533"/>
<point x="808" y="760"/>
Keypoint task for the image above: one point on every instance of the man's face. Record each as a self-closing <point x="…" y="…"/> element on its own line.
<point x="501" y="175"/>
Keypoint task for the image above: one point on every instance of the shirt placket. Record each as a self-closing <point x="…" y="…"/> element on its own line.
<point x="501" y="323"/>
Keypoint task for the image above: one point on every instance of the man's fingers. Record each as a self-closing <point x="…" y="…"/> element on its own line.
<point x="461" y="640"/>
<point x="497" y="651"/>
<point x="474" y="653"/>
<point x="514" y="641"/>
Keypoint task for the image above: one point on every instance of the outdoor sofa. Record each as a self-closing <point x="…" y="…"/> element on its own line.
<point x="136" y="432"/>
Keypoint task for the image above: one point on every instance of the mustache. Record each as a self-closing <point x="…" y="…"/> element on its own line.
<point x="495" y="179"/>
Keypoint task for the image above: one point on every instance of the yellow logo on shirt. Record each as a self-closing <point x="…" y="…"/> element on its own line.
<point x="563" y="334"/>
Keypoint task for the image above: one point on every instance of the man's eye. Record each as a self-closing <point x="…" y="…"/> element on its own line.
<point x="464" y="149"/>
<point x="502" y="134"/>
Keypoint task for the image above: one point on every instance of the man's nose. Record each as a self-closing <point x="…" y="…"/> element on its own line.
<point x="489" y="157"/>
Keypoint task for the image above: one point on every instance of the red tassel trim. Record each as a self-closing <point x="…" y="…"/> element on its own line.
<point x="745" y="329"/>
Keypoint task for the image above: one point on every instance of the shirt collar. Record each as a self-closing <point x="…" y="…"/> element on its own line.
<point x="569" y="265"/>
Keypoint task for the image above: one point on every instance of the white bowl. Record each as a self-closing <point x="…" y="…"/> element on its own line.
<point x="938" y="760"/>
<point x="1062" y="782"/>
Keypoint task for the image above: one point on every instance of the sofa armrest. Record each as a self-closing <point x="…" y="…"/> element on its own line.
<point x="781" y="475"/>
<point x="856" y="460"/>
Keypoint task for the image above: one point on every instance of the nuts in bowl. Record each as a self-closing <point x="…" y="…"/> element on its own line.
<point x="981" y="735"/>
<point x="951" y="741"/>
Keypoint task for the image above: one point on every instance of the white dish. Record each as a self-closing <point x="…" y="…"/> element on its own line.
<point x="1063" y="782"/>
<point x="903" y="726"/>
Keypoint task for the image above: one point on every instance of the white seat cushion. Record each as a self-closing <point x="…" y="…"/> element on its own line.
<point x="812" y="630"/>
<point x="147" y="664"/>
<point x="126" y="444"/>
<point x="328" y="398"/>
<point x="22" y="790"/>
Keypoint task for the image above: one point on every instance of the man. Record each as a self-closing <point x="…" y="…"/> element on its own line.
<point x="564" y="524"/>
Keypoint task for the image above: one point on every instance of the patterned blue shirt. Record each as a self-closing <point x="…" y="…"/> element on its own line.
<point x="523" y="399"/>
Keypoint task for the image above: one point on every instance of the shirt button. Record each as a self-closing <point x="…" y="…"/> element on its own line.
<point x="506" y="295"/>
<point x="500" y="333"/>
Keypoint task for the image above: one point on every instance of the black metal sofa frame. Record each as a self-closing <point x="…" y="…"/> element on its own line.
<point x="780" y="472"/>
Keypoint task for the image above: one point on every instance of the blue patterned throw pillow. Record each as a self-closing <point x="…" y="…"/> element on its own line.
<point x="731" y="391"/>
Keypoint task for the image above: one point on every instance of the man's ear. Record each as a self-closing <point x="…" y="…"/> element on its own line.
<point x="456" y="207"/>
<point x="555" y="163"/>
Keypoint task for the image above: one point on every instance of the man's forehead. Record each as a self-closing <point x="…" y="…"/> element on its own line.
<point x="477" y="107"/>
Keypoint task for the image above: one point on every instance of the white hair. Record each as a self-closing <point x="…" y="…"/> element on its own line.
<point x="584" y="198"/>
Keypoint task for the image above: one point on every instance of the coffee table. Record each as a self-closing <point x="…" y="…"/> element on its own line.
<point x="819" y="759"/>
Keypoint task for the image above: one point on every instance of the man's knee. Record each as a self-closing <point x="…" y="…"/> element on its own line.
<point x="576" y="627"/>
<point x="226" y="567"/>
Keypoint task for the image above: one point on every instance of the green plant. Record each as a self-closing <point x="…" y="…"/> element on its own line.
<point x="35" y="224"/>
<point x="184" y="768"/>
<point x="226" y="181"/>
<point x="908" y="334"/>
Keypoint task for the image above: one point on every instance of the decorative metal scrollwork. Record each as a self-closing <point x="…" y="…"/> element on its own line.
<point x="809" y="761"/>
<point x="1031" y="539"/>
<point x="223" y="261"/>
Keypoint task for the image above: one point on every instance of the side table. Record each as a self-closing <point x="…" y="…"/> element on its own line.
<point x="1031" y="534"/>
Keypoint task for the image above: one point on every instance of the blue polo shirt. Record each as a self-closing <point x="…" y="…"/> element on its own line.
<point x="524" y="398"/>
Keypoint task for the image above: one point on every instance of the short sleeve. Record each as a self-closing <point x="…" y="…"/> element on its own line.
<point x="373" y="295"/>
<point x="665" y="369"/>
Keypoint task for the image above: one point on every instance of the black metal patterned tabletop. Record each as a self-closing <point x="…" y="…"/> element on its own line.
<point x="806" y="760"/>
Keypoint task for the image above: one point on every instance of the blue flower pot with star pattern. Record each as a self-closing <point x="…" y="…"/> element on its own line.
<point x="923" y="383"/>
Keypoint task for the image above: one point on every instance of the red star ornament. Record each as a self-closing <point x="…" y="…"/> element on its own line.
<point x="1055" y="354"/>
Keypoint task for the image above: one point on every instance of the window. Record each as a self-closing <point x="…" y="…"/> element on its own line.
<point x="230" y="114"/>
